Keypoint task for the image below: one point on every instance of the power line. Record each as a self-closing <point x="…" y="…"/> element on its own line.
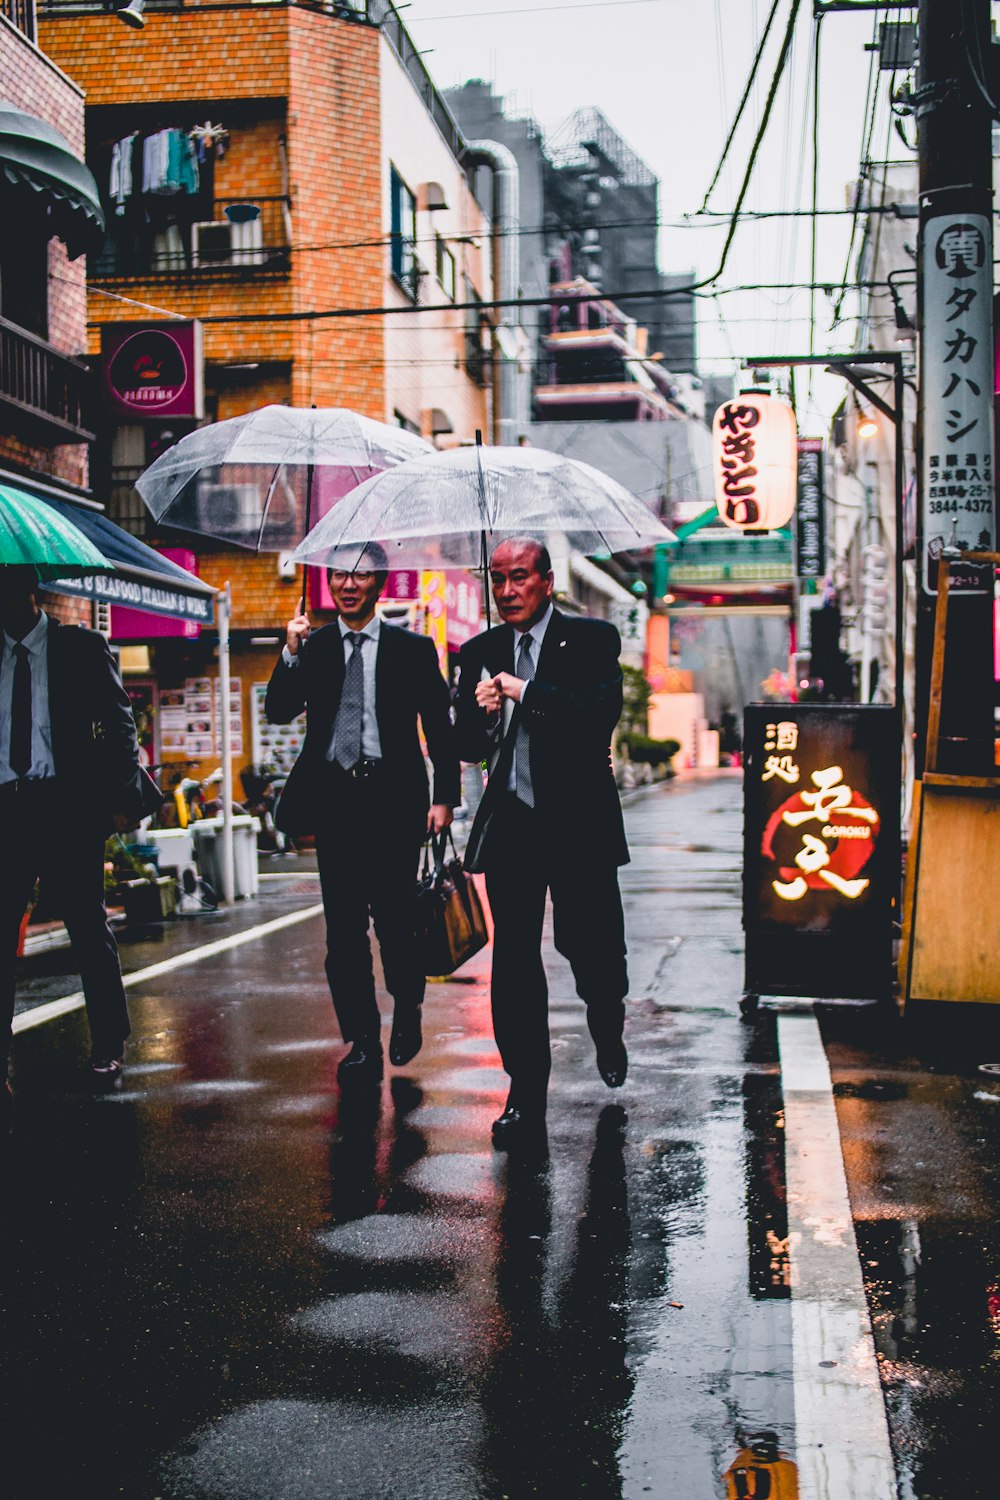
<point x="533" y="10"/>
<point x="748" y="88"/>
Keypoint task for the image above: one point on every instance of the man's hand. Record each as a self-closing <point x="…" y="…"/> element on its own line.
<point x="296" y="631"/>
<point x="123" y="823"/>
<point x="491" y="692"/>
<point x="440" y="817"/>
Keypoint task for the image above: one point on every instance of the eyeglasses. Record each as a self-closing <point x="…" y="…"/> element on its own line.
<point x="356" y="573"/>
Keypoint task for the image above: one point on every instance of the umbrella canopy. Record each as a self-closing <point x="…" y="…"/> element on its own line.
<point x="34" y="533"/>
<point x="446" y="509"/>
<point x="259" y="480"/>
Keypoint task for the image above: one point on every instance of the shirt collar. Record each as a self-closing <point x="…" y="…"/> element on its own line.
<point x="537" y="631"/>
<point x="371" y="631"/>
<point x="36" y="637"/>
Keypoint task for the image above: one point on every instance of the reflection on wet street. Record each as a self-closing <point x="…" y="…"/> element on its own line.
<point x="226" y="1280"/>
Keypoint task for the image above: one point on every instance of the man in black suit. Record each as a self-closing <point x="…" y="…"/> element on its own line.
<point x="538" y="698"/>
<point x="69" y="773"/>
<point x="360" y="785"/>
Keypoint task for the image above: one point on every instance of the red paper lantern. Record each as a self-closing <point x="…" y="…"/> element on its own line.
<point x="755" y="461"/>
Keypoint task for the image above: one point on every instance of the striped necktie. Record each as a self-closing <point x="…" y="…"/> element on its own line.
<point x="350" y="714"/>
<point x="523" y="789"/>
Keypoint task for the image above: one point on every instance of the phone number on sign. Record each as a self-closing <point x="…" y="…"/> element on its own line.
<point x="950" y="507"/>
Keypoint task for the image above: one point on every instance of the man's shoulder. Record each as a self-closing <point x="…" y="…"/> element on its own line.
<point x="481" y="645"/>
<point x="586" y="630"/>
<point x="79" y="640"/>
<point x="402" y="639"/>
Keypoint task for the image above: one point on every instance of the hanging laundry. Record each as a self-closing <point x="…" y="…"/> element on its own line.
<point x="120" y="185"/>
<point x="169" y="164"/>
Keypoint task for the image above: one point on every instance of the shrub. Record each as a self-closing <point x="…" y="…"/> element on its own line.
<point x="645" y="751"/>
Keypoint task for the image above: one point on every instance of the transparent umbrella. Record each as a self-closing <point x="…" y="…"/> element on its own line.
<point x="260" y="480"/>
<point x="450" y="509"/>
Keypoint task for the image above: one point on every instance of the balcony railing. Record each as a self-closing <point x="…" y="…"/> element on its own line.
<point x="49" y="394"/>
<point x="20" y="13"/>
<point x="233" y="237"/>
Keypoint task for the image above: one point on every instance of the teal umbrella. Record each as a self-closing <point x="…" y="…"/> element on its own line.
<point x="34" y="533"/>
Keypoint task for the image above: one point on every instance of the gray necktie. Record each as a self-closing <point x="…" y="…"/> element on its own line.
<point x="523" y="790"/>
<point x="350" y="715"/>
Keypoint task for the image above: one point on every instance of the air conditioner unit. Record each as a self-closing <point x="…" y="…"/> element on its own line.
<point x="231" y="510"/>
<point x="212" y="243"/>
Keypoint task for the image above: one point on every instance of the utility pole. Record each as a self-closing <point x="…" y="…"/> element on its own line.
<point x="956" y="497"/>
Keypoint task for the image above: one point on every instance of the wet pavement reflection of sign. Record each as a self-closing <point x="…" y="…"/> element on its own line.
<point x="821" y="848"/>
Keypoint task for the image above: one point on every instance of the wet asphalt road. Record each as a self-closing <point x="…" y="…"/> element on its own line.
<point x="221" y="1281"/>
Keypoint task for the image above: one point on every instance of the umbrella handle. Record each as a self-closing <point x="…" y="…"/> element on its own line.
<point x="309" y="496"/>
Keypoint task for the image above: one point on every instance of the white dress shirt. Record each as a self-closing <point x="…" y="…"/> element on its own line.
<point x="36" y="641"/>
<point x="537" y="635"/>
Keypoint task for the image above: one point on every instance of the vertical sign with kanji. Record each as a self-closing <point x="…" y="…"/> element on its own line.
<point x="957" y="353"/>
<point x="821" y="848"/>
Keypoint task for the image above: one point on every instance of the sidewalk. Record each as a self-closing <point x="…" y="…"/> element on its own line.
<point x="253" y="1289"/>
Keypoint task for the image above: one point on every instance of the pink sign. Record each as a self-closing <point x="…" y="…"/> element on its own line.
<point x="154" y="370"/>
<point x="138" y="625"/>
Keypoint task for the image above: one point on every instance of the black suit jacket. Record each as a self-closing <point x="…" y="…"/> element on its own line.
<point x="94" y="744"/>
<point x="408" y="685"/>
<point x="570" y="711"/>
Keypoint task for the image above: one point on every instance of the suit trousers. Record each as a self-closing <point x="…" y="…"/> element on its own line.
<point x="368" y="856"/>
<point x="46" y="838"/>
<point x="588" y="930"/>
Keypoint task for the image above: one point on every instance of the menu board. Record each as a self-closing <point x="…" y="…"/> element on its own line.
<point x="191" y="721"/>
<point x="275" y="745"/>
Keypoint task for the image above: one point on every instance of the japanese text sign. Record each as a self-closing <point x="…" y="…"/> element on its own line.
<point x="754" y="460"/>
<point x="957" y="500"/>
<point x="821" y="847"/>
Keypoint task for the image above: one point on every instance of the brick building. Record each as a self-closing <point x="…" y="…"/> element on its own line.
<point x="319" y="173"/>
<point x="46" y="406"/>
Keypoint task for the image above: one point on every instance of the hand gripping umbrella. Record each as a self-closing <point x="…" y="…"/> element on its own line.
<point x="259" y="480"/>
<point x="451" y="509"/>
<point x="36" y="534"/>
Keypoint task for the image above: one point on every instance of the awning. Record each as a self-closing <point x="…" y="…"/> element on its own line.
<point x="39" y="165"/>
<point x="142" y="578"/>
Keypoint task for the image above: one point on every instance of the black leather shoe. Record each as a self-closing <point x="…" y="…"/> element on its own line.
<point x="612" y="1063"/>
<point x="363" y="1064"/>
<point x="518" y="1127"/>
<point x="407" y="1037"/>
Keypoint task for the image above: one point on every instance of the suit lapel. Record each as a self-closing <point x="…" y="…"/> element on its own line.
<point x="547" y="664"/>
<point x="384" y="658"/>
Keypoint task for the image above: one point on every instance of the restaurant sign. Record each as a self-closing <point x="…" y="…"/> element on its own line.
<point x="821" y="855"/>
<point x="154" y="370"/>
<point x="153" y="598"/>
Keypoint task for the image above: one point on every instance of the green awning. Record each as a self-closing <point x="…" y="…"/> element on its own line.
<point x="38" y="165"/>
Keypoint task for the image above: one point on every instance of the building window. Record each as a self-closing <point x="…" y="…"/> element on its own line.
<point x="444" y="267"/>
<point x="24" y="281"/>
<point x="403" y="231"/>
<point x="476" y="358"/>
<point x="405" y="423"/>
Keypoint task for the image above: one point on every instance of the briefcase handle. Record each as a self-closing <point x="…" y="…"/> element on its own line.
<point x="437" y="844"/>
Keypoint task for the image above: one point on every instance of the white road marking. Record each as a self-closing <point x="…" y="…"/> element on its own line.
<point x="54" y="1008"/>
<point x="842" y="1434"/>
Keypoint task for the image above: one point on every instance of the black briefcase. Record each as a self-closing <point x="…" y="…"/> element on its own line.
<point x="450" y="923"/>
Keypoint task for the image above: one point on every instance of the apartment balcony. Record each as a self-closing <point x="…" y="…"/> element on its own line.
<point x="45" y="396"/>
<point x="619" y="401"/>
<point x="242" y="238"/>
<point x="20" y="13"/>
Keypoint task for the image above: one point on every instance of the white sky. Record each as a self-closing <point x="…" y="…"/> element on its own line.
<point x="668" y="75"/>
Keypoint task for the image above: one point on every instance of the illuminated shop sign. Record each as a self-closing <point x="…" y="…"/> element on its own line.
<point x="755" y="461"/>
<point x="821" y="847"/>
